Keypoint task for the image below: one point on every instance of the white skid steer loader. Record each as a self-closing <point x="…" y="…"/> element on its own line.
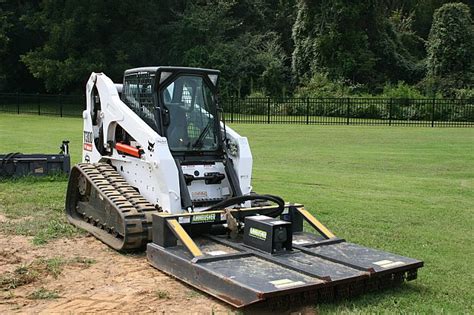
<point x="162" y="171"/>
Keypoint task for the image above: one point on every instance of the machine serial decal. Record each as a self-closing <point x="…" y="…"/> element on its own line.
<point x="88" y="140"/>
<point x="199" y="194"/>
<point x="88" y="137"/>
<point x="260" y="234"/>
<point x="204" y="218"/>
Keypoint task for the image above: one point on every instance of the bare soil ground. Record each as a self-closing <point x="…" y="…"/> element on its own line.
<point x="109" y="282"/>
<point x="112" y="282"/>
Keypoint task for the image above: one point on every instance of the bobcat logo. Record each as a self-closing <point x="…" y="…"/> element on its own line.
<point x="151" y="146"/>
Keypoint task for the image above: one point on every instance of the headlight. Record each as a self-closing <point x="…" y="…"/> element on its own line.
<point x="233" y="148"/>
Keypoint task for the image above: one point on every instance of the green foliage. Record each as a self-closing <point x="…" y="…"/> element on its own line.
<point x="354" y="41"/>
<point x="396" y="50"/>
<point x="450" y="48"/>
<point x="5" y="25"/>
<point x="38" y="269"/>
<point x="14" y="76"/>
<point x="275" y="73"/>
<point x="43" y="294"/>
<point x="328" y="38"/>
<point x="53" y="266"/>
<point x="466" y="94"/>
<point x="248" y="59"/>
<point x="55" y="229"/>
<point x="401" y="90"/>
<point x="321" y="86"/>
<point x="90" y="36"/>
<point x="22" y="275"/>
<point x="265" y="45"/>
<point x="163" y="294"/>
<point x="402" y="24"/>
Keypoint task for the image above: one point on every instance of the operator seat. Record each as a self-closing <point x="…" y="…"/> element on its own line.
<point x="177" y="132"/>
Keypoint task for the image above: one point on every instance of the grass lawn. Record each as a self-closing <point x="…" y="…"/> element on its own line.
<point x="405" y="190"/>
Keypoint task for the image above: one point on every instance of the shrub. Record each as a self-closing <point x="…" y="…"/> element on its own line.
<point x="321" y="86"/>
<point x="402" y="91"/>
<point x="465" y="94"/>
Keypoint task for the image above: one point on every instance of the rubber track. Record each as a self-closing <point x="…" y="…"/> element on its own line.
<point x="133" y="209"/>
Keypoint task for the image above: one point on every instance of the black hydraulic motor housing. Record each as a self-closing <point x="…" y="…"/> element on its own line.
<point x="268" y="234"/>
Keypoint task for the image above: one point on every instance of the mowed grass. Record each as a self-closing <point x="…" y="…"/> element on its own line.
<point x="405" y="190"/>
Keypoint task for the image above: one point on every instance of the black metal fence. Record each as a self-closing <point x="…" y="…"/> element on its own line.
<point x="352" y="111"/>
<point x="42" y="104"/>
<point x="336" y="111"/>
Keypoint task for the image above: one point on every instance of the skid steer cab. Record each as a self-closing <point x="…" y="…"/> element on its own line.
<point x="162" y="131"/>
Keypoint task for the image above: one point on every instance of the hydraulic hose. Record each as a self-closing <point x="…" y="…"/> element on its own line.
<point x="241" y="199"/>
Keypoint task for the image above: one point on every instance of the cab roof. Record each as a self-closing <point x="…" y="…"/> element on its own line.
<point x="155" y="69"/>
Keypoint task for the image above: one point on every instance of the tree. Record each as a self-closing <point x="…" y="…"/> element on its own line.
<point x="4" y="41"/>
<point x="236" y="37"/>
<point x="17" y="39"/>
<point x="450" y="49"/>
<point x="350" y="40"/>
<point x="226" y="35"/>
<point x="102" y="36"/>
<point x="330" y="37"/>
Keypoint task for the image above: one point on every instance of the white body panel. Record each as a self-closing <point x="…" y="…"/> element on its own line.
<point x="155" y="173"/>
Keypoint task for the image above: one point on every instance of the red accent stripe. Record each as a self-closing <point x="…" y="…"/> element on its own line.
<point x="127" y="149"/>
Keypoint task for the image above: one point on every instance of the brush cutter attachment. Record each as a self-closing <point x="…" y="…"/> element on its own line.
<point x="271" y="259"/>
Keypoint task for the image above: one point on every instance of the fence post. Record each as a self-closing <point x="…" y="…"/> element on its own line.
<point x="433" y="112"/>
<point x="268" y="110"/>
<point x="18" y="103"/>
<point x="348" y="110"/>
<point x="307" y="110"/>
<point x="60" y="106"/>
<point x="39" y="103"/>
<point x="390" y="111"/>
<point x="231" y="109"/>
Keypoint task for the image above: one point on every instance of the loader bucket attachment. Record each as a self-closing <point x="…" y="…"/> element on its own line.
<point x="313" y="268"/>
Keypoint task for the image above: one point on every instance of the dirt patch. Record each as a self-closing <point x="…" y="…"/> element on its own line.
<point x="8" y="258"/>
<point x="109" y="282"/>
<point x="90" y="277"/>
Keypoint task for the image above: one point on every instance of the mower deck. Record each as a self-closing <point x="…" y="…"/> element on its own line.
<point x="317" y="268"/>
